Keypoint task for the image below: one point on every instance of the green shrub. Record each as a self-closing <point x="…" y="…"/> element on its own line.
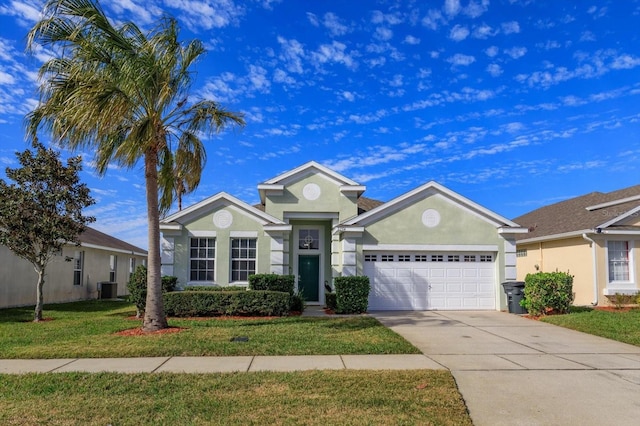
<point x="546" y="292"/>
<point x="330" y="301"/>
<point x="215" y="288"/>
<point x="137" y="287"/>
<point x="352" y="294"/>
<point x="216" y="303"/>
<point x="297" y="303"/>
<point x="169" y="283"/>
<point x="272" y="282"/>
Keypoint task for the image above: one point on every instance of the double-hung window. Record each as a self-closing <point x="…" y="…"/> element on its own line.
<point x="243" y="258"/>
<point x="202" y="259"/>
<point x="113" y="268"/>
<point x="618" y="254"/>
<point x="78" y="267"/>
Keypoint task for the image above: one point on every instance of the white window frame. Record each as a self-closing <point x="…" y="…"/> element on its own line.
<point x="132" y="266"/>
<point x="78" y="267"/>
<point x="206" y="258"/>
<point x="622" y="284"/>
<point x="113" y="268"/>
<point x="248" y="259"/>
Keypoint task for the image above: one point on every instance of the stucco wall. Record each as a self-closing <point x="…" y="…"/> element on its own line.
<point x="573" y="255"/>
<point x="242" y="225"/>
<point x="330" y="199"/>
<point x="18" y="279"/>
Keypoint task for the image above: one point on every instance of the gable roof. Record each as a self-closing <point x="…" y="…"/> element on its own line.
<point x="276" y="184"/>
<point x="586" y="213"/>
<point x="94" y="238"/>
<point x="425" y="190"/>
<point x="196" y="209"/>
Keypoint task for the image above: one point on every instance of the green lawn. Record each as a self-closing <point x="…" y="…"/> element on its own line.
<point x="623" y="326"/>
<point x="346" y="397"/>
<point x="343" y="397"/>
<point x="88" y="330"/>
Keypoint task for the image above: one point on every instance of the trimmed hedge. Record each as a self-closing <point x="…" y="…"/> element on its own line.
<point x="217" y="303"/>
<point x="352" y="294"/>
<point x="272" y="282"/>
<point x="548" y="292"/>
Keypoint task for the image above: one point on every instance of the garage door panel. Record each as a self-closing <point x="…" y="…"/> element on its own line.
<point x="437" y="285"/>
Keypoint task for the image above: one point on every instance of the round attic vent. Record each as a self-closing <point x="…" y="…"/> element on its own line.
<point x="311" y="191"/>
<point x="222" y="219"/>
<point x="431" y="218"/>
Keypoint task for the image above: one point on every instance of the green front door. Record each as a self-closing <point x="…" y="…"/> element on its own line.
<point x="309" y="277"/>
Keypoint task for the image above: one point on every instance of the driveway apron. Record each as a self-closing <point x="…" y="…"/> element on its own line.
<point x="512" y="370"/>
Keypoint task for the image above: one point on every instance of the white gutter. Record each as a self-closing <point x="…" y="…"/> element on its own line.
<point x="595" y="268"/>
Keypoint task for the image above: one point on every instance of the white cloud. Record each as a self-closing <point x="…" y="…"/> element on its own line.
<point x="333" y="24"/>
<point x="334" y="52"/>
<point x="483" y="31"/>
<point x="461" y="60"/>
<point x="292" y="54"/>
<point x="258" y="78"/>
<point x="492" y="51"/>
<point x="26" y="12"/>
<point x="411" y="40"/>
<point x="516" y="52"/>
<point x="383" y="34"/>
<point x="209" y="14"/>
<point x="142" y="14"/>
<point x="511" y="27"/>
<point x="280" y="76"/>
<point x="452" y="7"/>
<point x="368" y="118"/>
<point x="348" y="95"/>
<point x="433" y="19"/>
<point x="494" y="70"/>
<point x="625" y="62"/>
<point x="475" y="9"/>
<point x="587" y="36"/>
<point x="459" y="33"/>
<point x="378" y="17"/>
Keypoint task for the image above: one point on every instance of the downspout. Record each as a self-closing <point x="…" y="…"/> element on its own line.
<point x="592" y="244"/>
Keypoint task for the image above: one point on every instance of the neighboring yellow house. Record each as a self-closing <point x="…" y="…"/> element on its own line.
<point x="595" y="237"/>
<point x="77" y="273"/>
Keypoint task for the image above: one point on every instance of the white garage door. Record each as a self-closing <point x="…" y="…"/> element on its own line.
<point x="437" y="281"/>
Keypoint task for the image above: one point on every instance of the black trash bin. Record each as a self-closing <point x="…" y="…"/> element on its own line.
<point x="515" y="293"/>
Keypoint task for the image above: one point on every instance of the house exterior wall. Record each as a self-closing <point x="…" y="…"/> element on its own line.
<point x="293" y="199"/>
<point x="18" y="279"/>
<point x="457" y="226"/>
<point x="206" y="226"/>
<point x="575" y="255"/>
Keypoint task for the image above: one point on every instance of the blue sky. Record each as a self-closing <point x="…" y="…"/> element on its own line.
<point x="514" y="104"/>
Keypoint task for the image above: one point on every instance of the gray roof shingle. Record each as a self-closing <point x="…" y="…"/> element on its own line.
<point x="95" y="237"/>
<point x="572" y="215"/>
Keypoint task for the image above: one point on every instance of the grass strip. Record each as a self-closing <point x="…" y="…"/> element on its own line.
<point x="90" y="330"/>
<point x="347" y="397"/>
<point x="623" y="326"/>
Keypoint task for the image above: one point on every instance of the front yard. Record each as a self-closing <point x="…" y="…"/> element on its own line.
<point x="91" y="329"/>
<point x="620" y="325"/>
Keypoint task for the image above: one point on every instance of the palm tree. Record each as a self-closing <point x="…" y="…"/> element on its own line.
<point x="124" y="94"/>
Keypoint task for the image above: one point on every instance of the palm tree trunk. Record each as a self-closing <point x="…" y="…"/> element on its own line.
<point x="39" y="296"/>
<point x="154" y="316"/>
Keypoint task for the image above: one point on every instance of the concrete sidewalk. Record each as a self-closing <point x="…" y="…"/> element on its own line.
<point x="219" y="364"/>
<point x="516" y="371"/>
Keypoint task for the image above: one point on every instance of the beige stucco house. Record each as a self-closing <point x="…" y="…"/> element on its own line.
<point x="429" y="248"/>
<point x="595" y="237"/>
<point x="77" y="273"/>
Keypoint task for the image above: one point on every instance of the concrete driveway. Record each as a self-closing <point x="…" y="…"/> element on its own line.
<point x="516" y="371"/>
